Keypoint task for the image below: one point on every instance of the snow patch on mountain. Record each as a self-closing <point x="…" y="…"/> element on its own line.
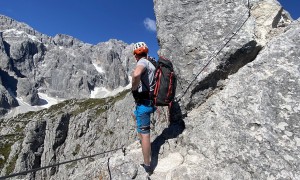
<point x="16" y="33"/>
<point x="98" y="68"/>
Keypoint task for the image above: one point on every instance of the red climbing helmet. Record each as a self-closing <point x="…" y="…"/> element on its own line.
<point x="140" y="48"/>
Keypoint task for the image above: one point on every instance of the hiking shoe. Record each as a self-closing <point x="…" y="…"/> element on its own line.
<point x="148" y="169"/>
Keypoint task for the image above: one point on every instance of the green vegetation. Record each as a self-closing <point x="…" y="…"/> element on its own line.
<point x="11" y="166"/>
<point x="87" y="105"/>
<point x="100" y="105"/>
<point x="71" y="165"/>
<point x="4" y="151"/>
<point x="108" y="132"/>
<point x="28" y="114"/>
<point x="19" y="129"/>
<point x="111" y="101"/>
<point x="72" y="106"/>
<point x="58" y="107"/>
<point x="121" y="95"/>
<point x="77" y="149"/>
<point x="5" y="148"/>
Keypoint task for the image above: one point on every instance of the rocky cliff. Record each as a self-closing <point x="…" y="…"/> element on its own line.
<point x="236" y="115"/>
<point x="61" y="66"/>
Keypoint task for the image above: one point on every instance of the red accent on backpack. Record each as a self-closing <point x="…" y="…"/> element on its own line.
<point x="165" y="87"/>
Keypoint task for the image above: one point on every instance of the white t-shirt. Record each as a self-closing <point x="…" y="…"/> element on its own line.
<point x="147" y="77"/>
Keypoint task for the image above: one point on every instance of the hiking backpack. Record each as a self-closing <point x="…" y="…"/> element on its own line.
<point x="165" y="82"/>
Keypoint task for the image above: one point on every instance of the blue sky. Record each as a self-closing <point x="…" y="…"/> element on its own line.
<point x="95" y="21"/>
<point x="292" y="6"/>
<point x="90" y="21"/>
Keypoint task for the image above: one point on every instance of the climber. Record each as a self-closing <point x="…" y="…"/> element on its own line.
<point x="142" y="85"/>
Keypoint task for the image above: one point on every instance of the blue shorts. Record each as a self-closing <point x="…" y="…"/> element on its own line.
<point x="142" y="115"/>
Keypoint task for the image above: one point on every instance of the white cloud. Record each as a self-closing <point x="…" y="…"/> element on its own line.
<point x="150" y="24"/>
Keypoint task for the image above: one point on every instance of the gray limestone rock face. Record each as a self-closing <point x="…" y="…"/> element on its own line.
<point x="209" y="40"/>
<point x="61" y="67"/>
<point x="30" y="152"/>
<point x="27" y="91"/>
<point x="7" y="101"/>
<point x="243" y="105"/>
<point x="250" y="129"/>
<point x="4" y="59"/>
<point x="7" y="98"/>
<point x="18" y="29"/>
<point x="238" y="68"/>
<point x="64" y="40"/>
<point x="110" y="56"/>
<point x="66" y="131"/>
